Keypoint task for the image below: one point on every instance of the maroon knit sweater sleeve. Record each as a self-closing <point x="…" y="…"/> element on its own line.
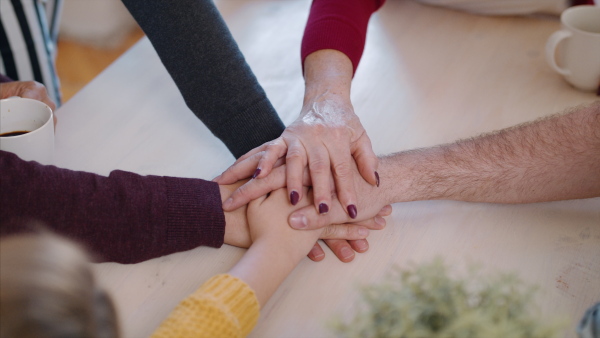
<point x="125" y="217"/>
<point x="339" y="25"/>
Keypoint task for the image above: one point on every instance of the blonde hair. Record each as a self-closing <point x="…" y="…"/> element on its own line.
<point x="47" y="289"/>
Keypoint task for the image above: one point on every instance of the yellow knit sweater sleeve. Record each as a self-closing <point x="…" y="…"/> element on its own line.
<point x="224" y="306"/>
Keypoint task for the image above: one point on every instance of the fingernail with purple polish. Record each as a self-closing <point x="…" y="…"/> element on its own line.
<point x="323" y="208"/>
<point x="294" y="197"/>
<point x="352" y="211"/>
<point x="256" y="173"/>
<point x="377" y="177"/>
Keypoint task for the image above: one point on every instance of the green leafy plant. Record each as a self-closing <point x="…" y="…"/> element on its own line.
<point x="426" y="301"/>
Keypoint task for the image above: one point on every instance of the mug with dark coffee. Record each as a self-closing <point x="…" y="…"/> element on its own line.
<point x="27" y="129"/>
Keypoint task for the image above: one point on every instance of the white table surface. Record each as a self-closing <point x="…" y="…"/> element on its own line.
<point x="428" y="76"/>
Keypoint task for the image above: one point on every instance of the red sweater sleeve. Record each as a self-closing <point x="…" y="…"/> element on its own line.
<point x="339" y="25"/>
<point x="125" y="217"/>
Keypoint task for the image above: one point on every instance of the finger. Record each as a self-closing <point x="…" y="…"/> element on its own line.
<point x="320" y="174"/>
<point x="344" y="231"/>
<point x="341" y="164"/>
<point x="360" y="245"/>
<point x="48" y="102"/>
<point x="308" y="218"/>
<point x="366" y="160"/>
<point x="385" y="211"/>
<point x="273" y="152"/>
<point x="341" y="249"/>
<point x="251" y="152"/>
<point x="46" y="99"/>
<point x="316" y="254"/>
<point x="240" y="170"/>
<point x="279" y="162"/>
<point x="38" y="92"/>
<point x="257" y="202"/>
<point x="375" y="223"/>
<point x="255" y="188"/>
<point x="229" y="176"/>
<point x="295" y="162"/>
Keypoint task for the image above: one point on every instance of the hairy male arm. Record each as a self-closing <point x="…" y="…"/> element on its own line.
<point x="554" y="158"/>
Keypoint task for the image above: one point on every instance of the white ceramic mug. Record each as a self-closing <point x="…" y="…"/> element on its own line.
<point x="578" y="47"/>
<point x="19" y="115"/>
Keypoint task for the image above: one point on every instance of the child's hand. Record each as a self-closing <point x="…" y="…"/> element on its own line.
<point x="276" y="248"/>
<point x="267" y="217"/>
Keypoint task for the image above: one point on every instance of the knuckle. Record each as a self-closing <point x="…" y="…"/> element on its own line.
<point x="338" y="132"/>
<point x="342" y="170"/>
<point x="260" y="154"/>
<point x="243" y="191"/>
<point x="318" y="165"/>
<point x="272" y="147"/>
<point x="230" y="173"/>
<point x="352" y="232"/>
<point x="328" y="231"/>
<point x="321" y="221"/>
<point x="294" y="153"/>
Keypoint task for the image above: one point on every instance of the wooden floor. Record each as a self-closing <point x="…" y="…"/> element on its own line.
<point x="78" y="64"/>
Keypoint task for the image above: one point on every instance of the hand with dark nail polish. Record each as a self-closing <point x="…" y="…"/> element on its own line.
<point x="256" y="173"/>
<point x="294" y="197"/>
<point x="352" y="212"/>
<point x="323" y="208"/>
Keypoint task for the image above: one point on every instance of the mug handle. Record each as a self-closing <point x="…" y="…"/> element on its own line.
<point x="551" y="46"/>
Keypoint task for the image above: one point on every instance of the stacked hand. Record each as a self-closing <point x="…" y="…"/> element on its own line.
<point x="326" y="148"/>
<point x="334" y="231"/>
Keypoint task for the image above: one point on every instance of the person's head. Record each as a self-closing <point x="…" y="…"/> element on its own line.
<point x="47" y="289"/>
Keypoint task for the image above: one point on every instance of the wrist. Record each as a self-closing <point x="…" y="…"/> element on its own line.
<point x="404" y="177"/>
<point x="283" y="253"/>
<point x="390" y="186"/>
<point x="327" y="71"/>
<point x="236" y="229"/>
<point x="292" y="246"/>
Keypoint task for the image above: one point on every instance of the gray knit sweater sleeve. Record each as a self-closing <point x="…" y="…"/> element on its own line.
<point x="199" y="53"/>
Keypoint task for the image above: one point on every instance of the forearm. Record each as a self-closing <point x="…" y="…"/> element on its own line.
<point x="550" y="159"/>
<point x="207" y="66"/>
<point x="327" y="72"/>
<point x="268" y="262"/>
<point x="125" y="217"/>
